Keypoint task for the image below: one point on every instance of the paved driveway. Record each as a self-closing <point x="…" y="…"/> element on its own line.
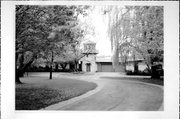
<point x="117" y="94"/>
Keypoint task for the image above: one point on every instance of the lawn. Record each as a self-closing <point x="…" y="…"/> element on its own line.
<point x="40" y="92"/>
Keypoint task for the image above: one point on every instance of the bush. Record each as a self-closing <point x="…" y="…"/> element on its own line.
<point x="144" y="73"/>
<point x="157" y="71"/>
<point x="44" y="69"/>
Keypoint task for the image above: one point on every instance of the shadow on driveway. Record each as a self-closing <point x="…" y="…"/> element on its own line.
<point x="146" y="80"/>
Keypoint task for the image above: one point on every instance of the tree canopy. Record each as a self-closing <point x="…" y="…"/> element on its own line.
<point x="140" y="28"/>
<point x="44" y="31"/>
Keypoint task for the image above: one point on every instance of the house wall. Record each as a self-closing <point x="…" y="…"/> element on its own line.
<point x="141" y="66"/>
<point x="91" y="58"/>
<point x="107" y="66"/>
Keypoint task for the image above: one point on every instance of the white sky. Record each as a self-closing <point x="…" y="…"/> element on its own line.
<point x="101" y="27"/>
<point x="99" y="21"/>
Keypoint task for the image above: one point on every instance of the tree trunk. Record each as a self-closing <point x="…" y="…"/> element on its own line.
<point x="50" y="75"/>
<point x="21" y="70"/>
<point x="135" y="63"/>
<point x="125" y="63"/>
<point x="17" y="79"/>
<point x="21" y="60"/>
<point x="115" y="56"/>
<point x="76" y="67"/>
<point x="51" y="68"/>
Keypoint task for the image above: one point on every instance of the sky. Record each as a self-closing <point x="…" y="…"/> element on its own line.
<point x="100" y="37"/>
<point x="101" y="26"/>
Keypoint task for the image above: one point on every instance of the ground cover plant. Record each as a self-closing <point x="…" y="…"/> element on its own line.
<point x="39" y="92"/>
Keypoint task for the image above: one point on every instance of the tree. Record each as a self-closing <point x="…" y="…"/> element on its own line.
<point x="117" y="28"/>
<point x="44" y="30"/>
<point x="148" y="40"/>
<point x="137" y="27"/>
<point x="27" y="36"/>
<point x="71" y="55"/>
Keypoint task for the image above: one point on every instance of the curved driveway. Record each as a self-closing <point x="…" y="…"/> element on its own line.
<point x="121" y="95"/>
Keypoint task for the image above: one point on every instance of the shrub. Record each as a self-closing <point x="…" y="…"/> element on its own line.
<point x="145" y="73"/>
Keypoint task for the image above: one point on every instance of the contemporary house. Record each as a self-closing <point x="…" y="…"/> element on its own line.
<point x="91" y="62"/>
<point x="94" y="62"/>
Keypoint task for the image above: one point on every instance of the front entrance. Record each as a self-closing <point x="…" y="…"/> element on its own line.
<point x="88" y="67"/>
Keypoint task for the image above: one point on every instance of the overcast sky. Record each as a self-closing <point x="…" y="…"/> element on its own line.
<point x="100" y="23"/>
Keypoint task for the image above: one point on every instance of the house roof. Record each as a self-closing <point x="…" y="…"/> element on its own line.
<point x="109" y="58"/>
<point x="103" y="59"/>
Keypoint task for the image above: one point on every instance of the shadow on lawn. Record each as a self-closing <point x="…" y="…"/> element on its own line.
<point x="146" y="80"/>
<point x="37" y="93"/>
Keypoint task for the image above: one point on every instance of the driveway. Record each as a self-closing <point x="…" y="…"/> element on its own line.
<point x="117" y="94"/>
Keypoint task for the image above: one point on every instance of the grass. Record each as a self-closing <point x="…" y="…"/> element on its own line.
<point x="39" y="92"/>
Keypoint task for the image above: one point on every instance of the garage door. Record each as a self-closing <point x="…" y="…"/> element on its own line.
<point x="105" y="67"/>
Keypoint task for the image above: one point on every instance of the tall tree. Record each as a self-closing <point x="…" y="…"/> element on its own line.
<point x="28" y="38"/>
<point x="138" y="27"/>
<point x="148" y="33"/>
<point x="117" y="27"/>
<point x="44" y="29"/>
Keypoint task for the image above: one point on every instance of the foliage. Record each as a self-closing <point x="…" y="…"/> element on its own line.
<point x="136" y="29"/>
<point x="45" y="31"/>
<point x="148" y="27"/>
<point x="144" y="73"/>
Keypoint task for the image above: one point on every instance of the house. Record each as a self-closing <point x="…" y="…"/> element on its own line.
<point x="91" y="62"/>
